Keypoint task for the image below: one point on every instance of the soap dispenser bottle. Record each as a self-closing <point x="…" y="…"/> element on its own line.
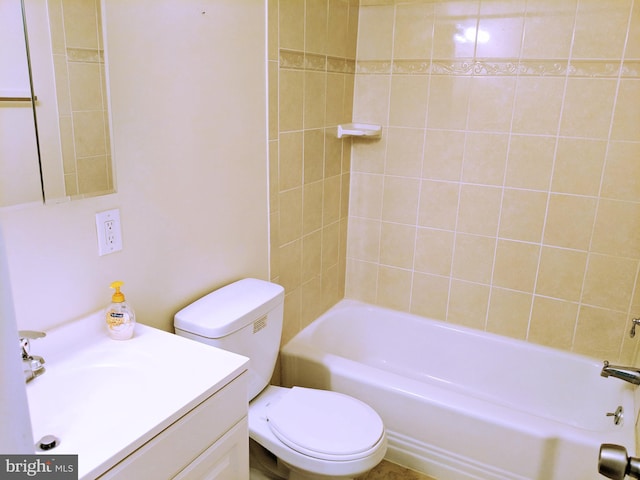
<point x="120" y="317"/>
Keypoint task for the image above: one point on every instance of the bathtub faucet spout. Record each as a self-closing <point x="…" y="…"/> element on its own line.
<point x="628" y="374"/>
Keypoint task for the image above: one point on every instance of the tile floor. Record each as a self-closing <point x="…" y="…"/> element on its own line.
<point x="390" y="471"/>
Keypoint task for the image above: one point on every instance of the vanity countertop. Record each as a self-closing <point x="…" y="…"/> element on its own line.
<point x="105" y="398"/>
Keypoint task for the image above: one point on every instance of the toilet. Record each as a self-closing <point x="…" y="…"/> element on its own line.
<point x="296" y="433"/>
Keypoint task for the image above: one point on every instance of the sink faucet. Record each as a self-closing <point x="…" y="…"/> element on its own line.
<point x="32" y="365"/>
<point x="628" y="374"/>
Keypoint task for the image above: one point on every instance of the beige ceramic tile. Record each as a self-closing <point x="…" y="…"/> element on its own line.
<point x="448" y="102"/>
<point x="291" y="265"/>
<point x="538" y="104"/>
<point x="485" y="158"/>
<point x="273" y="100"/>
<point x="609" y="282"/>
<point x="443" y="154"/>
<point x="438" y="204"/>
<point x="459" y="17"/>
<point x="561" y="273"/>
<point x="434" y="251"/>
<point x="291" y="100"/>
<point x="473" y="258"/>
<point x="291" y="24"/>
<point x="315" y="88"/>
<point x="290" y="227"/>
<point x="509" y="313"/>
<point x="408" y="105"/>
<point x="292" y="307"/>
<point x="315" y="30"/>
<point x="430" y="295"/>
<point x="85" y="86"/>
<point x="362" y="281"/>
<point x="397" y="245"/>
<point x="89" y="133"/>
<point x="479" y="209"/>
<point x="413" y="30"/>
<point x="553" y="322"/>
<point x="522" y="216"/>
<point x="588" y="106"/>
<point x="633" y="40"/>
<point x="491" y="103"/>
<point x="330" y="245"/>
<point x="338" y="26"/>
<point x="371" y="98"/>
<point x="404" y="152"/>
<point x="530" y="162"/>
<point x="468" y="304"/>
<point x="366" y="195"/>
<point x="394" y="288"/>
<point x="570" y="221"/>
<point x="617" y="229"/>
<point x="598" y="332"/>
<point x="369" y="157"/>
<point x="578" y="167"/>
<point x="500" y="29"/>
<point x="627" y="114"/>
<point x="548" y="29"/>
<point x="375" y="33"/>
<point x="364" y="239"/>
<point x="290" y="171"/>
<point x="313" y="163"/>
<point x="332" y="189"/>
<point x="312" y="211"/>
<point x="80" y="24"/>
<point x="332" y="154"/>
<point x="622" y="171"/>
<point x="400" y="200"/>
<point x="311" y="255"/>
<point x="516" y="265"/>
<point x="311" y="301"/>
<point x="600" y="35"/>
<point x="335" y="99"/>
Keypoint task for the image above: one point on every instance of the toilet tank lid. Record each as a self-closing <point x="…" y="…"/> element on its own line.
<point x="229" y="308"/>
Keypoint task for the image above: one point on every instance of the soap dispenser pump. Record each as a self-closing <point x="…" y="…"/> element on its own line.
<point x="120" y="317"/>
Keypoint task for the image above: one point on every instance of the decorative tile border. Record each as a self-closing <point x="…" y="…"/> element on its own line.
<point x="87" y="55"/>
<point x="478" y="67"/>
<point x="312" y="61"/>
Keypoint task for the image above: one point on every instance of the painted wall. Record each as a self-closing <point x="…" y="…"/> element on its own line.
<point x="505" y="193"/>
<point x="188" y="98"/>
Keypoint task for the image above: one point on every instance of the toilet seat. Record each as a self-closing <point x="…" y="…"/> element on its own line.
<point x="324" y="424"/>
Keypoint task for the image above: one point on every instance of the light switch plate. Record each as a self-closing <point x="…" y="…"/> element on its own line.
<point x="109" y="232"/>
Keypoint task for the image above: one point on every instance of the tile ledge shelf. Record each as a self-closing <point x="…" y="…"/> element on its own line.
<point x="359" y="130"/>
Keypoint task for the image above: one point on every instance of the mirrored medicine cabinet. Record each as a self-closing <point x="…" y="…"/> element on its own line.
<point x="55" y="141"/>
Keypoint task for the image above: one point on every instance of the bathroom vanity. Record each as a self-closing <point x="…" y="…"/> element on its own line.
<point x="156" y="406"/>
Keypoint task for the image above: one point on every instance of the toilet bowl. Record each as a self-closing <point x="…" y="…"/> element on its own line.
<point x="327" y="433"/>
<point x="306" y="433"/>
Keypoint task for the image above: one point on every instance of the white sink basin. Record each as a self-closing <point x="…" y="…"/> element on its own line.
<point x="105" y="398"/>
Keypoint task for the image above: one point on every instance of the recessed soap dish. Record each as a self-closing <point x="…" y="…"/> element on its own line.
<point x="359" y="130"/>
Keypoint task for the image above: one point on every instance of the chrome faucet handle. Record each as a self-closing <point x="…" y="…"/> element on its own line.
<point x="25" y="336"/>
<point x="635" y="321"/>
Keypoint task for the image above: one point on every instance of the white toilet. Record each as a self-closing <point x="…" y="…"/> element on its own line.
<point x="297" y="433"/>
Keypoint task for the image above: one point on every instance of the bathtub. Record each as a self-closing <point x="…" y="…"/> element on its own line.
<point x="459" y="403"/>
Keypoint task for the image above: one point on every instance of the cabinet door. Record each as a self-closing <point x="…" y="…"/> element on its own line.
<point x="227" y="459"/>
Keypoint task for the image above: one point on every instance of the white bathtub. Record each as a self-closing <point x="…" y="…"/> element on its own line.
<point x="463" y="404"/>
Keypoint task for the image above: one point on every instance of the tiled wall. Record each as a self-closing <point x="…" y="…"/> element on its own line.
<point x="78" y="55"/>
<point x="505" y="192"/>
<point x="311" y="73"/>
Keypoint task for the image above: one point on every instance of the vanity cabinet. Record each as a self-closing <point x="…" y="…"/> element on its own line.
<point x="209" y="442"/>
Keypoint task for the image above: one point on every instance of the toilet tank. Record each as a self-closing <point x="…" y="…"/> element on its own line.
<point x="244" y="317"/>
